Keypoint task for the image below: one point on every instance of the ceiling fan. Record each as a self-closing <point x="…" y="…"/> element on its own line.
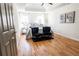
<point x="48" y="3"/>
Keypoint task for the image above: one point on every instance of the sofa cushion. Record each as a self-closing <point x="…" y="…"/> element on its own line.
<point x="46" y="29"/>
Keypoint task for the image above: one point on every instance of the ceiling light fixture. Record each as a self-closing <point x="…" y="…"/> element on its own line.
<point x="48" y="3"/>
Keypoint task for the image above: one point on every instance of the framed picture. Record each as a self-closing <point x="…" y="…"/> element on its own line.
<point x="70" y="17"/>
<point x="63" y="18"/>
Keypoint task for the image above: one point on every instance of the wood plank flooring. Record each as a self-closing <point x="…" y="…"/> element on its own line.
<point x="59" y="46"/>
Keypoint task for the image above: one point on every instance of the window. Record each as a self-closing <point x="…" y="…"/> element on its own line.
<point x="40" y="19"/>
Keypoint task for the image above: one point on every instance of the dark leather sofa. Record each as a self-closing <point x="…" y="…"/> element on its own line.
<point x="46" y="34"/>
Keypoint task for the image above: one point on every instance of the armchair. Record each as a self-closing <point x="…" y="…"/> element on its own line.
<point x="35" y="34"/>
<point x="47" y="32"/>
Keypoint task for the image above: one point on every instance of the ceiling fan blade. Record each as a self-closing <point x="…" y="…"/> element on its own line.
<point x="42" y="4"/>
<point x="48" y="3"/>
<point x="51" y="3"/>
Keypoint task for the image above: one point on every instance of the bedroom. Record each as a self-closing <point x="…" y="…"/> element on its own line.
<point x="41" y="29"/>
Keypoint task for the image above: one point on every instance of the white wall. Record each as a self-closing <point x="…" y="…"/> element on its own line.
<point x="70" y="30"/>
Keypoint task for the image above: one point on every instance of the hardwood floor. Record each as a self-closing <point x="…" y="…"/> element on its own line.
<point x="59" y="46"/>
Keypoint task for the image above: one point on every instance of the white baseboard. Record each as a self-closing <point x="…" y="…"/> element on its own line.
<point x="67" y="36"/>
